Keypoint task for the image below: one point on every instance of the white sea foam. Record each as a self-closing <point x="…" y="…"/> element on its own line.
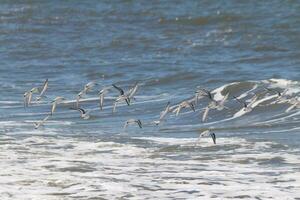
<point x="40" y="167"/>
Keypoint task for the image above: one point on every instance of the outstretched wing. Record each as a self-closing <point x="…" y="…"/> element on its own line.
<point x="213" y="137"/>
<point x="119" y="89"/>
<point x="133" y="90"/>
<point x="205" y="114"/>
<point x="240" y="101"/>
<point x="44" y="88"/>
<point x="139" y="123"/>
<point x="81" y="111"/>
<point x="101" y="100"/>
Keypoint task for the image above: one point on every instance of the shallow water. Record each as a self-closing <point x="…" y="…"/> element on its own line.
<point x="170" y="48"/>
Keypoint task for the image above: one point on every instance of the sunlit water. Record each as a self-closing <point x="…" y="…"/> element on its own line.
<point x="170" y="48"/>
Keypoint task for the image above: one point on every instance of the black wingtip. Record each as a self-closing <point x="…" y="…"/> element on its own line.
<point x="214" y="138"/>
<point x="140" y="124"/>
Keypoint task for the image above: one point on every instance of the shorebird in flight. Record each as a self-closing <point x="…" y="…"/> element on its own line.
<point x="281" y="96"/>
<point x="101" y="95"/>
<point x="31" y="92"/>
<point x="213" y="104"/>
<point x="163" y="114"/>
<point x="208" y="133"/>
<point x="133" y="121"/>
<point x="56" y="101"/>
<point x="184" y="104"/>
<point x="200" y="93"/>
<point x="121" y="97"/>
<point x="132" y="91"/>
<point x="247" y="107"/>
<point x="27" y="97"/>
<point x="87" y="87"/>
<point x="83" y="114"/>
<point x="41" y="123"/>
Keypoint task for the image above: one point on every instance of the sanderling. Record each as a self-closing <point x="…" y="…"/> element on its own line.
<point x="247" y="107"/>
<point x="56" y="101"/>
<point x="41" y="123"/>
<point x="122" y="97"/>
<point x="132" y="91"/>
<point x="83" y="114"/>
<point x="133" y="121"/>
<point x="87" y="87"/>
<point x="208" y="133"/>
<point x="184" y="104"/>
<point x="163" y="114"/>
<point x="101" y="93"/>
<point x="213" y="104"/>
<point x="281" y="96"/>
<point x="42" y="93"/>
<point x="200" y="93"/>
<point x="31" y="92"/>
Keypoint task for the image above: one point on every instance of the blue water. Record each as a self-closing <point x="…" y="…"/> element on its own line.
<point x="170" y="48"/>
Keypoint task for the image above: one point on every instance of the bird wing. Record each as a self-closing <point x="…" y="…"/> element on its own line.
<point x="81" y="111"/>
<point x="204" y="133"/>
<point x="25" y="99"/>
<point x="101" y="101"/>
<point x="44" y="88"/>
<point x="213" y="137"/>
<point x="139" y="123"/>
<point x="46" y="118"/>
<point x="240" y="101"/>
<point x="205" y="114"/>
<point x="127" y="99"/>
<point x="53" y="107"/>
<point x="178" y="110"/>
<point x="191" y="105"/>
<point x="253" y="100"/>
<point x="125" y="124"/>
<point x="119" y="89"/>
<point x="29" y="98"/>
<point x="133" y="90"/>
<point x="115" y="106"/>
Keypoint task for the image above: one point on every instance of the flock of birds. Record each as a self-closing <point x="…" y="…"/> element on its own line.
<point x="129" y="96"/>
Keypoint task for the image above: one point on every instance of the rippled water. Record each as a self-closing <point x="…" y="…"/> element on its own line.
<point x="170" y="48"/>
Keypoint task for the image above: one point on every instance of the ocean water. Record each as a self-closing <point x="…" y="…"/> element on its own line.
<point x="170" y="48"/>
